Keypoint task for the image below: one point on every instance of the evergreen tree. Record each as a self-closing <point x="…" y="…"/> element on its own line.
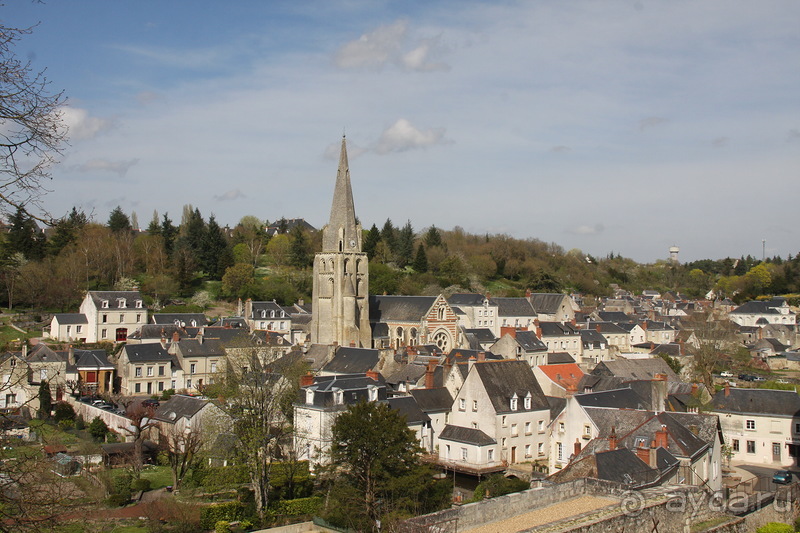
<point x="433" y="237"/>
<point x="169" y="232"/>
<point x="66" y="231"/>
<point x="193" y="232"/>
<point x="118" y="221"/>
<point x="45" y="400"/>
<point x="404" y="253"/>
<point x="299" y="251"/>
<point x="420" y="260"/>
<point x="389" y="235"/>
<point x="216" y="254"/>
<point x="283" y="226"/>
<point x="371" y="240"/>
<point x="25" y="237"/>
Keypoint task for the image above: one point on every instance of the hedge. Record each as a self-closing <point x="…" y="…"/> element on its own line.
<point x="229" y="511"/>
<point x="299" y="506"/>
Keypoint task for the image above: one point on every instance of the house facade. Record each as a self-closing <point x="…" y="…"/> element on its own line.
<point x="112" y="315"/>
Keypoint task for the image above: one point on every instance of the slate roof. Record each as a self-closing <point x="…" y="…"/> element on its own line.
<point x="113" y="299"/>
<point x="146" y="353"/>
<point x="162" y="331"/>
<point x="619" y="398"/>
<point x="41" y="353"/>
<point x="546" y="303"/>
<point x="408" y="408"/>
<point x="195" y="348"/>
<point x="614" y="316"/>
<point x="483" y="335"/>
<point x="179" y="406"/>
<point x="514" y="307"/>
<point x="410" y="372"/>
<point x="96" y="359"/>
<point x="556" y="405"/>
<point x="590" y="336"/>
<point x="557" y="329"/>
<point x="761" y="307"/>
<point x="348" y="360"/>
<point x="635" y="368"/>
<point x="355" y="388"/>
<point x="623" y="466"/>
<point x="503" y="379"/>
<point x="180" y="319"/>
<point x="399" y="308"/>
<point x="555" y="358"/>
<point x="466" y="435"/>
<point x="608" y="327"/>
<point x="458" y="355"/>
<point x="530" y="342"/>
<point x="757" y="401"/>
<point x="433" y="400"/>
<point x="467" y="298"/>
<point x="71" y="318"/>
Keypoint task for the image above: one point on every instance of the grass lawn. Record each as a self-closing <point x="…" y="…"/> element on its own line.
<point x="159" y="476"/>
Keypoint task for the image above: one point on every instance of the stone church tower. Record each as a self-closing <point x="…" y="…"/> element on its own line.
<point x="341" y="273"/>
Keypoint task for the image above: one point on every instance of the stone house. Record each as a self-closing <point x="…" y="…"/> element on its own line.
<point x="479" y="311"/>
<point x="521" y="344"/>
<point x="774" y="311"/>
<point x="148" y="369"/>
<point x="268" y="316"/>
<point x="551" y="307"/>
<point x="517" y="313"/>
<point x="414" y="320"/>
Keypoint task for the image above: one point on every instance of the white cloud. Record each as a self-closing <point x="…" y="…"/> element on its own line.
<point x="81" y="125"/>
<point x="390" y="45"/>
<point x="402" y="136"/>
<point x="103" y="165"/>
<point x="234" y="194"/>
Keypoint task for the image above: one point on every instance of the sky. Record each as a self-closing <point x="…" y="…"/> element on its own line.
<point x="614" y="126"/>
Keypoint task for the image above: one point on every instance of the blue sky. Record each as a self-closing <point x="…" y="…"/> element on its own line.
<point x="624" y="126"/>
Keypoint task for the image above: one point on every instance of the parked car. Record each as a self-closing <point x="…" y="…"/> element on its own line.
<point x="759" y="378"/>
<point x="747" y="377"/>
<point x="151" y="403"/>
<point x="782" y="477"/>
<point x="727" y="374"/>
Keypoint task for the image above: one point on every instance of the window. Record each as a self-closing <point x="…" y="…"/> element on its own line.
<point x="776" y="449"/>
<point x="490" y="455"/>
<point x="138" y="372"/>
<point x="105" y="318"/>
<point x="172" y="384"/>
<point x="192" y="368"/>
<point x="69" y="328"/>
<point x="527" y="450"/>
<point x="189" y="383"/>
<point x="474" y="405"/>
<point x="540" y="449"/>
<point x="121" y="318"/>
<point x="514" y="403"/>
<point x="160" y="386"/>
<point x="137" y="387"/>
<point x="735" y="445"/>
<point x="464" y="454"/>
<point x="122" y="303"/>
<point x="796" y="427"/>
<point x="541" y="426"/>
<point x="503" y="442"/>
<point x="138" y="304"/>
<point x="504" y="420"/>
<point x="751" y="446"/>
<point x="104" y="304"/>
<point x="462" y="404"/>
<point x="750" y="425"/>
<point x="11" y="399"/>
<point x="561" y="427"/>
<point x="528" y="401"/>
<point x="138" y="317"/>
<point x="528" y="428"/>
<point x="213" y="366"/>
<point x="559" y="451"/>
<point x="103" y="333"/>
<point x="149" y="371"/>
<point x="587" y="431"/>
<point x="78" y="329"/>
<point x="161" y="370"/>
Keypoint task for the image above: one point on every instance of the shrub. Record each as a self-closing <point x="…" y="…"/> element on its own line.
<point x="64" y="411"/>
<point x="300" y="506"/>
<point x="497" y="485"/>
<point x="118" y="500"/>
<point x="98" y="429"/>
<point x="66" y="425"/>
<point x="141" y="484"/>
<point x="80" y="424"/>
<point x="230" y="511"/>
<point x="223" y="526"/>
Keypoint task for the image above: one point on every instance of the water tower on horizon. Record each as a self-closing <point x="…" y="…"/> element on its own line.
<point x="673" y="253"/>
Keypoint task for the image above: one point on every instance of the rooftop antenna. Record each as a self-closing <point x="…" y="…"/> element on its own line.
<point x="763" y="250"/>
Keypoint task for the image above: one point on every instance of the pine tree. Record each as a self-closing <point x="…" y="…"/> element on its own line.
<point x="216" y="253"/>
<point x="66" y="231"/>
<point x="25" y="237"/>
<point x="169" y="232"/>
<point x="420" y="260"/>
<point x="45" y="400"/>
<point x="404" y="253"/>
<point x="389" y="235"/>
<point x="118" y="221"/>
<point x="371" y="240"/>
<point x="155" y="226"/>
<point x="299" y="253"/>
<point x="433" y="237"/>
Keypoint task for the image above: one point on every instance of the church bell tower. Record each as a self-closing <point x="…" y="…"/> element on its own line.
<point x="341" y="273"/>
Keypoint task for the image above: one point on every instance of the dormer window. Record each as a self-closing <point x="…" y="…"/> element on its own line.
<point x="338" y="397"/>
<point x="373" y="393"/>
<point x="514" y="402"/>
<point x="309" y="396"/>
<point x="138" y="304"/>
<point x="528" y="401"/>
<point x="104" y="304"/>
<point x="122" y="303"/>
<point x="264" y="313"/>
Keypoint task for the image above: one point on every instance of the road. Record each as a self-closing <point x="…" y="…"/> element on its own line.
<point x="766" y="472"/>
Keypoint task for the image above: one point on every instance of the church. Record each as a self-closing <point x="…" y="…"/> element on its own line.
<point x="340" y="300"/>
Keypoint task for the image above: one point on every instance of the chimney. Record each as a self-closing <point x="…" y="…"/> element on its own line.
<point x="176" y="337"/>
<point x="71" y="355"/>
<point x="307" y="379"/>
<point x="488" y="295"/>
<point x="527" y="293"/>
<point x="352" y="344"/>
<point x="508" y="330"/>
<point x="727" y="389"/>
<point x="612" y="439"/>
<point x="598" y="328"/>
<point x="429" y="374"/>
<point x="644" y="325"/>
<point x="661" y="437"/>
<point x="576" y="447"/>
<point x="571" y="390"/>
<point x="694" y="389"/>
<point x="574" y="322"/>
<point x="481" y="357"/>
<point x="643" y="453"/>
<point x="300" y="302"/>
<point x="372" y="374"/>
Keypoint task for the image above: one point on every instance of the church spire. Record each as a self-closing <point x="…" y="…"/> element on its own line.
<point x="342" y="234"/>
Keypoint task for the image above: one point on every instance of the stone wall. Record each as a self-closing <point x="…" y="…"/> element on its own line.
<point x="88" y="412"/>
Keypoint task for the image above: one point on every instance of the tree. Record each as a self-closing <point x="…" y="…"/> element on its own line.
<point x="98" y="429"/>
<point x="433" y="237"/>
<point x="389" y="235"/>
<point x="404" y="252"/>
<point x="371" y="240"/>
<point x="66" y="231"/>
<point x="420" y="260"/>
<point x="183" y="451"/>
<point x="141" y="420"/>
<point x="255" y="393"/>
<point x="216" y="252"/>
<point x="299" y="251"/>
<point x="239" y="280"/>
<point x="33" y="131"/>
<point x="118" y="221"/>
<point x="378" y="471"/>
<point x="24" y="235"/>
<point x="715" y="341"/>
<point x="45" y="400"/>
